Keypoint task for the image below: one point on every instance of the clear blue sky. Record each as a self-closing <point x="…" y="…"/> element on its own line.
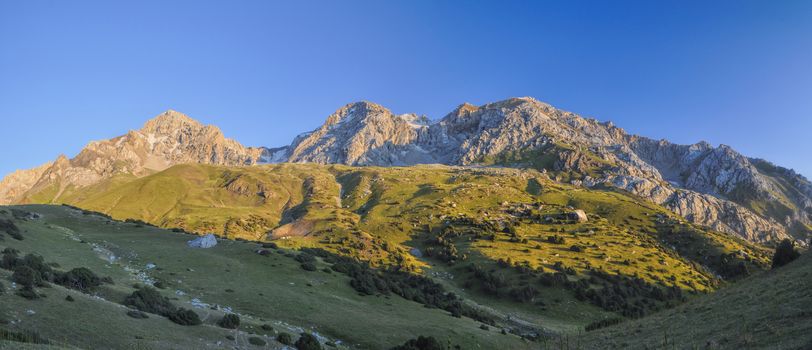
<point x="733" y="72"/>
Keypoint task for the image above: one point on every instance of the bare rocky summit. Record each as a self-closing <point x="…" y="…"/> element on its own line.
<point x="713" y="186"/>
<point x="168" y="139"/>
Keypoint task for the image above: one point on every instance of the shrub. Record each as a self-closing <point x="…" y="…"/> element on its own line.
<point x="270" y="245"/>
<point x="576" y="248"/>
<point x="524" y="294"/>
<point x="484" y="327"/>
<point x="148" y="299"/>
<point x="69" y="298"/>
<point x="28" y="293"/>
<point x="785" y="253"/>
<point x="26" y="277"/>
<point x="185" y="317"/>
<point x="266" y="327"/>
<point x="37" y="263"/>
<point x="308" y="266"/>
<point x="230" y="321"/>
<point x="2" y="289"/>
<point x="307" y="342"/>
<point x="80" y="278"/>
<point x="10" y="259"/>
<point x="9" y="227"/>
<point x="305" y="257"/>
<point x="421" y="343"/>
<point x="284" y="338"/>
<point x="257" y="341"/>
<point x="556" y="239"/>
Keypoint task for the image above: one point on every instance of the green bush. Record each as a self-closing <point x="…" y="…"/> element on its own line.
<point x="69" y="298"/>
<point x="230" y="321"/>
<point x="185" y="317"/>
<point x="80" y="278"/>
<point x="35" y="262"/>
<point x="9" y="260"/>
<point x="148" y="299"/>
<point x="9" y="227"/>
<point x="556" y="239"/>
<point x="28" y="293"/>
<point x="309" y="266"/>
<point x="284" y="338"/>
<point x="307" y="342"/>
<point x="421" y="343"/>
<point x="2" y="289"/>
<point x="257" y="341"/>
<point x="26" y="277"/>
<point x="785" y="253"/>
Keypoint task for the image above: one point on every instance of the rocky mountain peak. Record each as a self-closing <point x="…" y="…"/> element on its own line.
<point x="713" y="186"/>
<point x="168" y="139"/>
<point x="170" y="122"/>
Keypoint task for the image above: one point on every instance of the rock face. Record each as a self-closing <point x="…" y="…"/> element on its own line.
<point x="206" y="241"/>
<point x="168" y="139"/>
<point x="713" y="186"/>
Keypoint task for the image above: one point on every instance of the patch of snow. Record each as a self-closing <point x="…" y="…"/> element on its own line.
<point x="150" y="266"/>
<point x="278" y="156"/>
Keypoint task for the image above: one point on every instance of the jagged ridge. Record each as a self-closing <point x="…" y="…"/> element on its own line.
<point x="713" y="186"/>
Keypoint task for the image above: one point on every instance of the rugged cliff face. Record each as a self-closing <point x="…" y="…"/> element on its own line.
<point x="713" y="186"/>
<point x="168" y="139"/>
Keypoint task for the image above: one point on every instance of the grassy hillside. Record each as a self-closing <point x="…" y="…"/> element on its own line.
<point x="270" y="289"/>
<point x="502" y="238"/>
<point x="769" y="311"/>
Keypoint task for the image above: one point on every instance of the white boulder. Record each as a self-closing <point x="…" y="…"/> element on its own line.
<point x="206" y="241"/>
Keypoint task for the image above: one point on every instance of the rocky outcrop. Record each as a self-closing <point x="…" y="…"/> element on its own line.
<point x="14" y="186"/>
<point x="204" y="242"/>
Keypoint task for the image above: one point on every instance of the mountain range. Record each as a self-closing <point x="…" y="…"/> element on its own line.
<point x="711" y="186"/>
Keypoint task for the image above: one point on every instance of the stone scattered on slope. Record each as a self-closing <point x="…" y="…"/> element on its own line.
<point x="206" y="241"/>
<point x="578" y="215"/>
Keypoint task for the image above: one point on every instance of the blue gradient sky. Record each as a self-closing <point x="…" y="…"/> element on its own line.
<point x="732" y="72"/>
